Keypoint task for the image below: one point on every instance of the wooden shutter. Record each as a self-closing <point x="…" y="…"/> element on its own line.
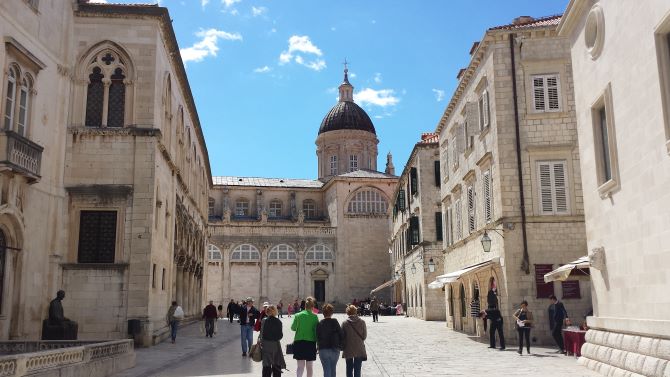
<point x="438" y="226"/>
<point x="414" y="181"/>
<point x="401" y="199"/>
<point x="552" y="93"/>
<point x="454" y="151"/>
<point x="446" y="161"/>
<point x="472" y="118"/>
<point x="450" y="227"/>
<point x="486" y="188"/>
<point x="459" y="219"/>
<point x="461" y="138"/>
<point x="560" y="188"/>
<point x="485" y="109"/>
<point x="538" y="93"/>
<point x="546" y="201"/>
<point x="414" y="230"/>
<point x="471" y="209"/>
<point x="437" y="173"/>
<point x="553" y="187"/>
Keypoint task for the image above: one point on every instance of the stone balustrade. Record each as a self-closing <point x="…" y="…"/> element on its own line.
<point x="42" y="357"/>
<point x="21" y="155"/>
<point x="271" y="230"/>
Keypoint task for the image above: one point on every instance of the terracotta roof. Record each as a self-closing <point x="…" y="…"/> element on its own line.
<point x="533" y="23"/>
<point x="266" y="182"/>
<point x="429" y="138"/>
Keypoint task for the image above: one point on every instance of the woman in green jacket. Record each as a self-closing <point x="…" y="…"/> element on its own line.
<point x="304" y="342"/>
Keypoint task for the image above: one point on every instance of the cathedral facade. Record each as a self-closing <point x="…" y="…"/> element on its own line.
<point x="281" y="239"/>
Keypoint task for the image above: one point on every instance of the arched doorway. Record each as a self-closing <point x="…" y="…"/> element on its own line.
<point x="463" y="306"/>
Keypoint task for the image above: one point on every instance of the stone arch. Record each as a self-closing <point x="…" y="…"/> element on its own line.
<point x="359" y="202"/>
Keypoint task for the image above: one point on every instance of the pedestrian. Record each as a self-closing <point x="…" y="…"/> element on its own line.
<point x="296" y="306"/>
<point x="557" y="316"/>
<point x="248" y="316"/>
<point x="257" y="325"/>
<point x="496" y="321"/>
<point x="304" y="342"/>
<point x="330" y="337"/>
<point x="174" y="315"/>
<point x="302" y="305"/>
<point x="280" y="307"/>
<point x="219" y="311"/>
<point x="289" y="310"/>
<point x="374" y="308"/>
<point x="524" y="321"/>
<point x="209" y="315"/>
<point x="271" y="334"/>
<point x="353" y="350"/>
<point x="231" y="309"/>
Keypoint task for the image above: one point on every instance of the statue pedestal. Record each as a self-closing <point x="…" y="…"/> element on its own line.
<point x="65" y="331"/>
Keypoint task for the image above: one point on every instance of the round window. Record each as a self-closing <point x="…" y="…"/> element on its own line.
<point x="594" y="31"/>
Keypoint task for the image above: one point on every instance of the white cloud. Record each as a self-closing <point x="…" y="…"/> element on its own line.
<point x="298" y="47"/>
<point x="378" y="78"/>
<point x="258" y="11"/>
<point x="382" y="97"/>
<point x="208" y="46"/>
<point x="439" y="94"/>
<point x="204" y="2"/>
<point x="230" y="3"/>
<point x="264" y="69"/>
<point x="352" y="75"/>
<point x="333" y="28"/>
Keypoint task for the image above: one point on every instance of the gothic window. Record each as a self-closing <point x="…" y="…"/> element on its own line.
<point x="3" y="255"/>
<point x="214" y="253"/>
<point x="245" y="252"/>
<point x="275" y="208"/>
<point x="97" y="237"/>
<point x="107" y="90"/>
<point x="309" y="208"/>
<point x="242" y="207"/>
<point x="282" y="252"/>
<point x="117" y="99"/>
<point x="319" y="252"/>
<point x="333" y="165"/>
<point x="369" y="201"/>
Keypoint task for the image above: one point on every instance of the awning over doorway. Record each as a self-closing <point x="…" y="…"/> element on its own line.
<point x="453" y="276"/>
<point x="572" y="270"/>
<point x="385" y="285"/>
<point x="436" y="285"/>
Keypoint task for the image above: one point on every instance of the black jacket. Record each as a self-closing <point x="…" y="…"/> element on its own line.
<point x="272" y="329"/>
<point x="329" y="334"/>
<point x="494" y="315"/>
<point x="248" y="319"/>
<point x="560" y="314"/>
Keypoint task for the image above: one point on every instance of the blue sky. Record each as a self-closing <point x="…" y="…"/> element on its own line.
<point x="265" y="72"/>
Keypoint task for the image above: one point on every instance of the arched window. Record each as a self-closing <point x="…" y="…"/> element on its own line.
<point x="282" y="252"/>
<point x="242" y="207"/>
<point x="214" y="253"/>
<point x="309" y="208"/>
<point x="319" y="252"/>
<point x="106" y="92"/>
<point x="245" y="252"/>
<point x="275" y="208"/>
<point x="10" y="98"/>
<point x="368" y="201"/>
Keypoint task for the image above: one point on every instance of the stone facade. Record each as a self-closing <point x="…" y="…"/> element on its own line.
<point x="417" y="232"/>
<point x="622" y="99"/>
<point x="113" y="210"/>
<point x="281" y="239"/>
<point x="483" y="152"/>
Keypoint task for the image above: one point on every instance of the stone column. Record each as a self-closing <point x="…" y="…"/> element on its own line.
<point x="301" y="272"/>
<point x="264" y="273"/>
<point x="225" y="287"/>
<point x="189" y="290"/>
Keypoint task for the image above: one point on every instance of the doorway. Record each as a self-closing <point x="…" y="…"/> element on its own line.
<point x="320" y="291"/>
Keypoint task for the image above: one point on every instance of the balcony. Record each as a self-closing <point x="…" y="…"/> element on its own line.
<point x="20" y="155"/>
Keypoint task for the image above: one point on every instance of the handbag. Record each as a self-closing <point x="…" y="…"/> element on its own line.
<point x="289" y="349"/>
<point x="255" y="353"/>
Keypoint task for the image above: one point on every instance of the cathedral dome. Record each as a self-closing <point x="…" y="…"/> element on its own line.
<point x="346" y="115"/>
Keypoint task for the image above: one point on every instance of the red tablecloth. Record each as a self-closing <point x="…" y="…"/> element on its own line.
<point x="574" y="339"/>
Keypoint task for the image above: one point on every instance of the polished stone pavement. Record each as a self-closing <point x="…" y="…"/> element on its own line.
<point x="397" y="346"/>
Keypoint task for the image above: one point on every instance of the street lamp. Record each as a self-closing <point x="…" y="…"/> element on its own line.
<point x="431" y="265"/>
<point x="486" y="242"/>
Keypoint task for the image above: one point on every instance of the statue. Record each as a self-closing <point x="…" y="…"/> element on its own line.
<point x="57" y="326"/>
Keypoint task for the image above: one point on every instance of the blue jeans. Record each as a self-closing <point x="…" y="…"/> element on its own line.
<point x="174" y="325"/>
<point x="246" y="337"/>
<point x="354" y="367"/>
<point x="329" y="357"/>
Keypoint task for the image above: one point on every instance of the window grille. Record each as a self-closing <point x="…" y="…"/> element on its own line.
<point x="117" y="99"/>
<point x="94" y="98"/>
<point x="97" y="237"/>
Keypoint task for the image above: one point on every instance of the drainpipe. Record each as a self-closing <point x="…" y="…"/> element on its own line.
<point x="525" y="264"/>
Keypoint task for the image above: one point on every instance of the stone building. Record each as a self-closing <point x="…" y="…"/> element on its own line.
<point x="105" y="174"/>
<point x="511" y="189"/>
<point x="279" y="239"/>
<point x="417" y="232"/>
<point x="622" y="100"/>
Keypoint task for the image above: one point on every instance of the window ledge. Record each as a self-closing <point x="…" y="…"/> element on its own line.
<point x="608" y="188"/>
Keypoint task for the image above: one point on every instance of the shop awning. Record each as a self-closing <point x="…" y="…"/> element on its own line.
<point x="453" y="276"/>
<point x="385" y="285"/>
<point x="574" y="269"/>
<point x="436" y="285"/>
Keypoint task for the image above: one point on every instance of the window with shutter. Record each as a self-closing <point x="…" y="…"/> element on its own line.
<point x="472" y="120"/>
<point x="445" y="155"/>
<point x="538" y="93"/>
<point x="401" y="199"/>
<point x="450" y="227"/>
<point x="414" y="181"/>
<point x="471" y="209"/>
<point x="437" y="173"/>
<point x="414" y="230"/>
<point x="546" y="93"/>
<point x="553" y="187"/>
<point x="454" y="153"/>
<point x="486" y="188"/>
<point x="552" y="93"/>
<point x="438" y="225"/>
<point x="459" y="220"/>
<point x="484" y="112"/>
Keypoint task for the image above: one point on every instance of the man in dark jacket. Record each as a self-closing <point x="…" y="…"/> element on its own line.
<point x="231" y="310"/>
<point x="557" y="315"/>
<point x="248" y="316"/>
<point x="209" y="315"/>
<point x="374" y="308"/>
<point x="496" y="321"/>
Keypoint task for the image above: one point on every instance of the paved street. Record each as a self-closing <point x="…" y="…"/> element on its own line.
<point x="397" y="346"/>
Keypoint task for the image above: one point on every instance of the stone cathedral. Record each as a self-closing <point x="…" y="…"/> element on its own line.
<point x="279" y="239"/>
